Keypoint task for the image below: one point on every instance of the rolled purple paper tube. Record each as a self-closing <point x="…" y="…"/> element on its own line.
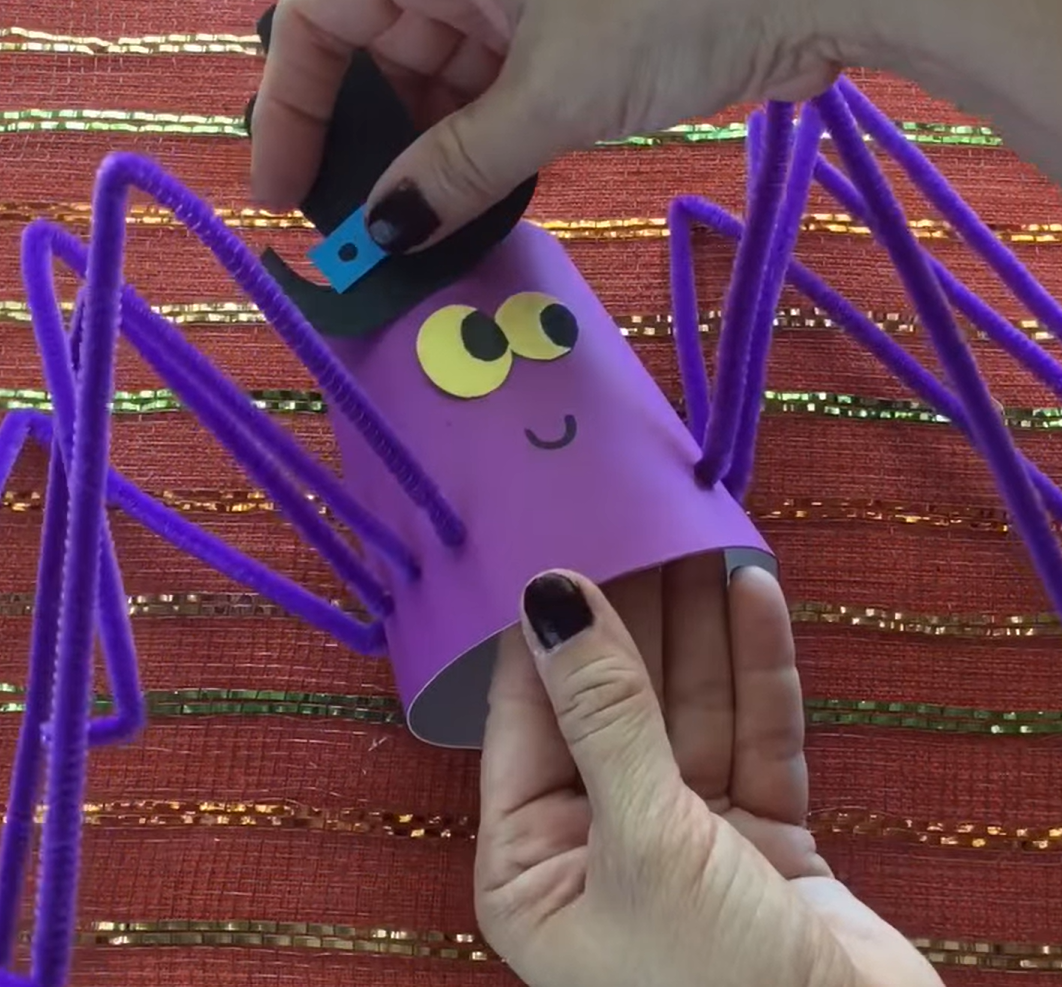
<point x="515" y="390"/>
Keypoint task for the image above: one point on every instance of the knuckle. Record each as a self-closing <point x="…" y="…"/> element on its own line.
<point x="458" y="168"/>
<point x="601" y="693"/>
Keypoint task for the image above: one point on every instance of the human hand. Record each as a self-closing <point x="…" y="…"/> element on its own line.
<point x="511" y="84"/>
<point x="644" y="795"/>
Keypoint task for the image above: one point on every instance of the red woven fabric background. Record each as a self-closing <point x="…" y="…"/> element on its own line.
<point x="951" y="828"/>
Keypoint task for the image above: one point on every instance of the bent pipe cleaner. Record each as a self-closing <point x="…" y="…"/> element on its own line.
<point x="1031" y="498"/>
<point x="465" y="473"/>
<point x="464" y="469"/>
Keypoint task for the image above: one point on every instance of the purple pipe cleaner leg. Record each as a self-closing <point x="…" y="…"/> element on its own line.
<point x="14" y="428"/>
<point x="146" y="330"/>
<point x="29" y="756"/>
<point x="966" y="222"/>
<point x="686" y="320"/>
<point x="12" y="980"/>
<point x="990" y="432"/>
<point x="343" y="393"/>
<point x="60" y="364"/>
<point x="366" y="639"/>
<point x="39" y="238"/>
<point x="115" y="629"/>
<point x="212" y="551"/>
<point x="985" y="318"/>
<point x="163" y="347"/>
<point x="319" y="613"/>
<point x="119" y="655"/>
<point x="735" y="339"/>
<point x="61" y="838"/>
<point x="756" y="126"/>
<point x="874" y="339"/>
<point x="801" y="168"/>
<point x="305" y="518"/>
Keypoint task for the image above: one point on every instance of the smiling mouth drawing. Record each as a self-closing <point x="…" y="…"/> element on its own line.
<point x="570" y="428"/>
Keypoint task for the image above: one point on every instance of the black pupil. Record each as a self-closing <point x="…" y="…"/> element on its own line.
<point x="559" y="325"/>
<point x="483" y="338"/>
<point x="348" y="252"/>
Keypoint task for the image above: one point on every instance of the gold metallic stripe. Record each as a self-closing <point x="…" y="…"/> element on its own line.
<point x="986" y="520"/>
<point x="633" y="325"/>
<point x="139" y="814"/>
<point x="284" y="814"/>
<point x="383" y="710"/>
<point x="24" y="41"/>
<point x="233" y="605"/>
<point x="205" y="313"/>
<point x="798" y="319"/>
<point x="931" y="717"/>
<point x="826" y="404"/>
<point x="319" y="936"/>
<point x="185" y="501"/>
<point x="633" y="228"/>
<point x="1012" y="957"/>
<point x="80" y="213"/>
<point x="922" y="832"/>
<point x="470" y="947"/>
<point x="199" y="605"/>
<point x="930" y="625"/>
<point x="35" y="120"/>
<point x="380" y="710"/>
<point x="655" y="228"/>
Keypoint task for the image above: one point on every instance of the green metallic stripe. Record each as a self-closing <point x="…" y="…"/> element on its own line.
<point x="469" y="947"/>
<point x="633" y="325"/>
<point x="38" y="120"/>
<point x="931" y="717"/>
<point x="824" y="403"/>
<point x="184" y="604"/>
<point x="386" y="710"/>
<point x="200" y="606"/>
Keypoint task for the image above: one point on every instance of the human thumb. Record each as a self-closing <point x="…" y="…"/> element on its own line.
<point x="462" y="166"/>
<point x="603" y="698"/>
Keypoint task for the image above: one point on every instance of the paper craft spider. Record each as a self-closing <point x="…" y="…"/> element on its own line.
<point x="80" y="592"/>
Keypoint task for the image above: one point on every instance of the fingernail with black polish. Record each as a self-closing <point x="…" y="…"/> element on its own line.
<point x="556" y="610"/>
<point x="402" y="219"/>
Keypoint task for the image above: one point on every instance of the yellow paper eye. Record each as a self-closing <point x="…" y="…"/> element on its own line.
<point x="538" y="327"/>
<point x="464" y="352"/>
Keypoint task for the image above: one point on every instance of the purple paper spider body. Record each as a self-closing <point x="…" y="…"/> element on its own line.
<point x="518" y="395"/>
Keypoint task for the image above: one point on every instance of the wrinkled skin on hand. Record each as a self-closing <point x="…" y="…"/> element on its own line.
<point x="511" y="82"/>
<point x="644" y="792"/>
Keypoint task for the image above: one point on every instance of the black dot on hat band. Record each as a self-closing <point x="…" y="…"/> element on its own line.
<point x="482" y="337"/>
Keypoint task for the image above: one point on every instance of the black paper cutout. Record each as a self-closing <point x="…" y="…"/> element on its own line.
<point x="369" y="129"/>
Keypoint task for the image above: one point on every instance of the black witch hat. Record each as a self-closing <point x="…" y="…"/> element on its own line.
<point x="369" y="129"/>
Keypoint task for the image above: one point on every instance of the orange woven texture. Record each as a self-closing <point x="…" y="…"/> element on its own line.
<point x="312" y="847"/>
